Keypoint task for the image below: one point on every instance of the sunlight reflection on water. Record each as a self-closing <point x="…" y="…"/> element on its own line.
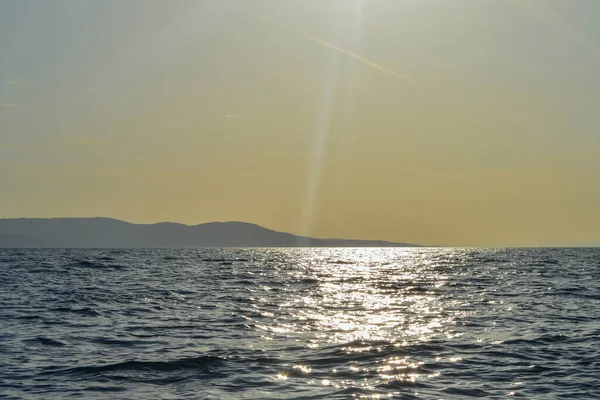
<point x="360" y="295"/>
<point x="365" y="299"/>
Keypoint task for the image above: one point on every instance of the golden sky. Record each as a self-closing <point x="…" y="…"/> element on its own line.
<point x="464" y="122"/>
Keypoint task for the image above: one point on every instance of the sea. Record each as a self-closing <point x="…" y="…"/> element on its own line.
<point x="304" y="323"/>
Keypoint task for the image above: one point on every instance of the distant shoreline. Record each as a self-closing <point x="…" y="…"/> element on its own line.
<point x="114" y="234"/>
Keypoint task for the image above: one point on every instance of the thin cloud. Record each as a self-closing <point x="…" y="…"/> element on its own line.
<point x="590" y="154"/>
<point x="84" y="141"/>
<point x="28" y="148"/>
<point x="322" y="42"/>
<point x="540" y="10"/>
<point x="231" y="116"/>
<point x="18" y="82"/>
<point x="544" y="12"/>
<point x="19" y="106"/>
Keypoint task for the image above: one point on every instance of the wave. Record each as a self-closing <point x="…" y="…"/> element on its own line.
<point x="93" y="264"/>
<point x="202" y="363"/>
<point x="222" y="260"/>
<point x="87" y="311"/>
<point x="44" y="341"/>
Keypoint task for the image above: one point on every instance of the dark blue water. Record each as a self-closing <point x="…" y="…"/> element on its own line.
<point x="300" y="323"/>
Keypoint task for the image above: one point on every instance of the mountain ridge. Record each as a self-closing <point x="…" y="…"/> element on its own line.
<point x="103" y="232"/>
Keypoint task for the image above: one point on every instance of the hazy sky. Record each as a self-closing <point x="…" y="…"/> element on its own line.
<point x="462" y="122"/>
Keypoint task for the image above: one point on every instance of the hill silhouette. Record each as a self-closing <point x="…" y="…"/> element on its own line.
<point x="110" y="233"/>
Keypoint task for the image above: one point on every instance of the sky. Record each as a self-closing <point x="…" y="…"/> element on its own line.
<point x="452" y="123"/>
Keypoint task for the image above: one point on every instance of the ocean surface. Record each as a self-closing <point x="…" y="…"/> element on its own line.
<point x="300" y="323"/>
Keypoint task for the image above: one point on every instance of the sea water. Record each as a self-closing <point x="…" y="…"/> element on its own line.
<point x="300" y="323"/>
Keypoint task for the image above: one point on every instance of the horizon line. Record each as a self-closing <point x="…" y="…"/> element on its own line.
<point x="411" y="244"/>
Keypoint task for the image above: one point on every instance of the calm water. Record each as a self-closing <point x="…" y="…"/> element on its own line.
<point x="300" y="323"/>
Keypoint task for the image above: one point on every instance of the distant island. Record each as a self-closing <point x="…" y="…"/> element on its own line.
<point x="113" y="233"/>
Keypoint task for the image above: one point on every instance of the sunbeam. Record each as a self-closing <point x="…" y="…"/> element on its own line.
<point x="322" y="131"/>
<point x="331" y="77"/>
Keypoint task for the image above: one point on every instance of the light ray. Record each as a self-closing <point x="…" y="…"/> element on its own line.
<point x="323" y="123"/>
<point x="322" y="131"/>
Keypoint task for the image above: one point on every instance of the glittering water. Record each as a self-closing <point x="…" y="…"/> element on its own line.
<point x="300" y="323"/>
